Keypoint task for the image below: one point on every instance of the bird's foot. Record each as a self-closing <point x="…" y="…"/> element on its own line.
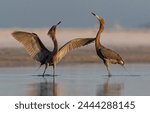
<point x="43" y="75"/>
<point x="109" y="75"/>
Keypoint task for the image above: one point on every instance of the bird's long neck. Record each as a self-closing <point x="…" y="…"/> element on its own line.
<point x="55" y="50"/>
<point x="97" y="41"/>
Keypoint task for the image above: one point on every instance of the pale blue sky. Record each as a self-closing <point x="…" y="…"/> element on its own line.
<point x="74" y="13"/>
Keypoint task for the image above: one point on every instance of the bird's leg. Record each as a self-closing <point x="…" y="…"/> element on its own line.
<point x="109" y="74"/>
<point x="45" y="69"/>
<point x="53" y="70"/>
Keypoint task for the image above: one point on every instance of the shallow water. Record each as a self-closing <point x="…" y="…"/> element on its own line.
<point x="77" y="79"/>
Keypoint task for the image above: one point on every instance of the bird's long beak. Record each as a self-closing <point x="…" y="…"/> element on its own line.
<point x="53" y="28"/>
<point x="58" y="23"/>
<point x="95" y="15"/>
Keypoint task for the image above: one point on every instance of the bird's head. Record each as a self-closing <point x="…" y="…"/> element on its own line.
<point x="100" y="19"/>
<point x="52" y="31"/>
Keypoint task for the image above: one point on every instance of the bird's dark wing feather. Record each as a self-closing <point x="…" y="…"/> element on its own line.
<point x="32" y="44"/>
<point x="75" y="43"/>
<point x="110" y="54"/>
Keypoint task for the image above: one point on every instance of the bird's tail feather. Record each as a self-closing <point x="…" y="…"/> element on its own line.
<point x="126" y="69"/>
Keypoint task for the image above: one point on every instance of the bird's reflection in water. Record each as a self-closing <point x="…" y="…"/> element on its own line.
<point x="110" y="88"/>
<point x="48" y="87"/>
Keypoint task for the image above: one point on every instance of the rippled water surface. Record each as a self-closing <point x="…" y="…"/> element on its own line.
<point x="76" y="79"/>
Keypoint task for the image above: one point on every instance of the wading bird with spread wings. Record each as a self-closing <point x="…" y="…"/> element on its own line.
<point x="40" y="53"/>
<point x="107" y="55"/>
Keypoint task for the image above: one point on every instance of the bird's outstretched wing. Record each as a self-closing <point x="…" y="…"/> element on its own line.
<point x="32" y="44"/>
<point x="75" y="43"/>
